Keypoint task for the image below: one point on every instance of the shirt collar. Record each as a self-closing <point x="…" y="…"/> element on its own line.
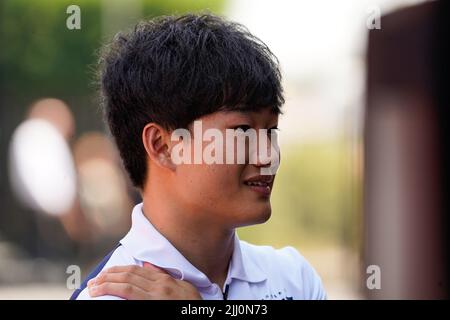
<point x="146" y="244"/>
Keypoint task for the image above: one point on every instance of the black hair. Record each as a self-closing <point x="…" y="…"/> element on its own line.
<point x="173" y="70"/>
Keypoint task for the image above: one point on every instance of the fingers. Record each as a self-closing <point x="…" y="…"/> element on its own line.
<point x="122" y="290"/>
<point x="134" y="282"/>
<point x="153" y="267"/>
<point x="121" y="277"/>
<point x="128" y="282"/>
<point x="148" y="273"/>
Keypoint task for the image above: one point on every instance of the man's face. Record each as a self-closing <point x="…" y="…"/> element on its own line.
<point x="229" y="194"/>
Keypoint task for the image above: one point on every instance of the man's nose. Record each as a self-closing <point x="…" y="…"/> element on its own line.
<point x="265" y="153"/>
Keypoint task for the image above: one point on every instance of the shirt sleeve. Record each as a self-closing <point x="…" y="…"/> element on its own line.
<point x="309" y="279"/>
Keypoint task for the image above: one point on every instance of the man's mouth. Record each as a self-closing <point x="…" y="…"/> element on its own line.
<point x="261" y="184"/>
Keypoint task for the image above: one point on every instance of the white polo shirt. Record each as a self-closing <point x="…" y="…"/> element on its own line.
<point x="255" y="272"/>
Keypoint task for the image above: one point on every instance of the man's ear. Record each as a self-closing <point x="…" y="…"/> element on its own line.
<point x="156" y="142"/>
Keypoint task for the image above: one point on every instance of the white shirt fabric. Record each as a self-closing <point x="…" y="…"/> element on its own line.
<point x="254" y="273"/>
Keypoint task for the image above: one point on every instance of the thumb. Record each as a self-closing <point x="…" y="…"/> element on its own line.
<point x="153" y="267"/>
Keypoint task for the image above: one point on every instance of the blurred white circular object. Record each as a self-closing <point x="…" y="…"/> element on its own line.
<point x="42" y="171"/>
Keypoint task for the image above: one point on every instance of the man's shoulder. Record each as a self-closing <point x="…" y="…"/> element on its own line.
<point x="267" y="254"/>
<point x="287" y="265"/>
<point x="117" y="257"/>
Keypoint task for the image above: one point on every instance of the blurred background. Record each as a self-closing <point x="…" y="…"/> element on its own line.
<point x="362" y="184"/>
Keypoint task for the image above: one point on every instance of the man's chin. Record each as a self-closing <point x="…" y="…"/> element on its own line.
<point x="258" y="217"/>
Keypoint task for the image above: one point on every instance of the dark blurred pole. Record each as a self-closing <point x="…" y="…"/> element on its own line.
<point x="406" y="153"/>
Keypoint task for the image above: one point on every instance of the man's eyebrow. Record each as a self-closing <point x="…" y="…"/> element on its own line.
<point x="238" y="114"/>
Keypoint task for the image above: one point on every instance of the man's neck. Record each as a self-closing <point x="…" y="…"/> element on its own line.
<point x="207" y="247"/>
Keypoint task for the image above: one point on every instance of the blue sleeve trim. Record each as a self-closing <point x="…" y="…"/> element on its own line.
<point x="93" y="274"/>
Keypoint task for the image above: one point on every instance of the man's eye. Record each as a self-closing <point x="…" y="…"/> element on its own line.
<point x="243" y="127"/>
<point x="274" y="130"/>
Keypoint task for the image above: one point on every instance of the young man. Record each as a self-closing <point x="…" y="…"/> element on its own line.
<point x="203" y="75"/>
